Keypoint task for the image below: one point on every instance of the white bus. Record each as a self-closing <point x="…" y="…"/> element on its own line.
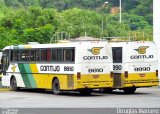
<point x="135" y="65"/>
<point x="80" y="65"/>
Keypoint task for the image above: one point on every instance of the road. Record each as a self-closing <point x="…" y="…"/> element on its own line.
<point x="143" y="98"/>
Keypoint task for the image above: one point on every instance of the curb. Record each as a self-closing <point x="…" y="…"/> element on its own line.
<point x="4" y="89"/>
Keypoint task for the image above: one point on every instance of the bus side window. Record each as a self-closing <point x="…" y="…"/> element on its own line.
<point x="15" y="55"/>
<point x="48" y="55"/>
<point x="37" y="55"/>
<point x="11" y="58"/>
<point x="43" y="55"/>
<point x="34" y="55"/>
<point x="69" y="55"/>
<point x="54" y="54"/>
<point x="27" y="55"/>
<point x="24" y="55"/>
<point x="59" y="55"/>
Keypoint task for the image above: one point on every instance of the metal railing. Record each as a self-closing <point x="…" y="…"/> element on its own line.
<point x="132" y="36"/>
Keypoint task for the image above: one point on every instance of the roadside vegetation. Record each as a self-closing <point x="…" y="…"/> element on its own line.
<point x="24" y="21"/>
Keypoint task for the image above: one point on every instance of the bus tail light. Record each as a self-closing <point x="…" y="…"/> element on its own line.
<point x="111" y="74"/>
<point x="126" y="74"/>
<point x="157" y="73"/>
<point x="78" y="75"/>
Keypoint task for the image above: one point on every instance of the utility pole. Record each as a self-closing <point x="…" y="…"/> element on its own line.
<point x="105" y="3"/>
<point x="120" y="11"/>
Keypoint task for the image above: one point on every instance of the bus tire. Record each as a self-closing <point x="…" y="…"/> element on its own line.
<point x="129" y="90"/>
<point x="13" y="84"/>
<point x="85" y="92"/>
<point x="56" y="87"/>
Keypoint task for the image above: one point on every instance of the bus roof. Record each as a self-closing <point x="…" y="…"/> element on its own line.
<point x="60" y="44"/>
<point x="134" y="42"/>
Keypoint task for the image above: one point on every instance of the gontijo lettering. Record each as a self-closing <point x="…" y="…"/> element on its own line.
<point x="49" y="68"/>
<point x="141" y="57"/>
<point x="95" y="57"/>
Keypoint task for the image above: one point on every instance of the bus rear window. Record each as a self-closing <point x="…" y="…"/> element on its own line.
<point x="117" y="54"/>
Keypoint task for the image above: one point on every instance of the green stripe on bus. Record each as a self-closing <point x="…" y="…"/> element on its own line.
<point x="30" y="75"/>
<point x="24" y="75"/>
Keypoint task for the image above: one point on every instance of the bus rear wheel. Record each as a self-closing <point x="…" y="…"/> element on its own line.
<point x="129" y="90"/>
<point x="56" y="87"/>
<point x="13" y="84"/>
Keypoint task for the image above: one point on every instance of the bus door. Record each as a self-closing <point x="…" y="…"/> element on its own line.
<point x="117" y="67"/>
<point x="5" y="61"/>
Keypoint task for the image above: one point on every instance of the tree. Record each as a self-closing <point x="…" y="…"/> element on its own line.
<point x="28" y="3"/>
<point x="41" y="34"/>
<point x="77" y="22"/>
<point x="36" y="20"/>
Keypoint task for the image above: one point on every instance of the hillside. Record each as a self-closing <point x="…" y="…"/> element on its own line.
<point x="37" y="20"/>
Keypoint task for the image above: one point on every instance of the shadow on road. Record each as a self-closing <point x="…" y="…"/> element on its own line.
<point x="76" y="93"/>
<point x="64" y="93"/>
<point x="120" y="92"/>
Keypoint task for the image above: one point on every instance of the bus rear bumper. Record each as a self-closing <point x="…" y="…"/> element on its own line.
<point x="93" y="85"/>
<point x="142" y="84"/>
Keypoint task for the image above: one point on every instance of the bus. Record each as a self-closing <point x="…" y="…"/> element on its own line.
<point x="71" y="65"/>
<point x="135" y="65"/>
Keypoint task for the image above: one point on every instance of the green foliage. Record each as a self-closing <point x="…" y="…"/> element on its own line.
<point x="136" y="22"/>
<point x="41" y="34"/>
<point x="27" y="3"/>
<point x="77" y="22"/>
<point x="8" y="37"/>
<point x="2" y="8"/>
<point x="24" y="26"/>
<point x="145" y="9"/>
<point x="24" y="21"/>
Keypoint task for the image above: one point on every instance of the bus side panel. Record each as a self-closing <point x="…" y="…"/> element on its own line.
<point x="6" y="80"/>
<point x="13" y="71"/>
<point x="44" y="80"/>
